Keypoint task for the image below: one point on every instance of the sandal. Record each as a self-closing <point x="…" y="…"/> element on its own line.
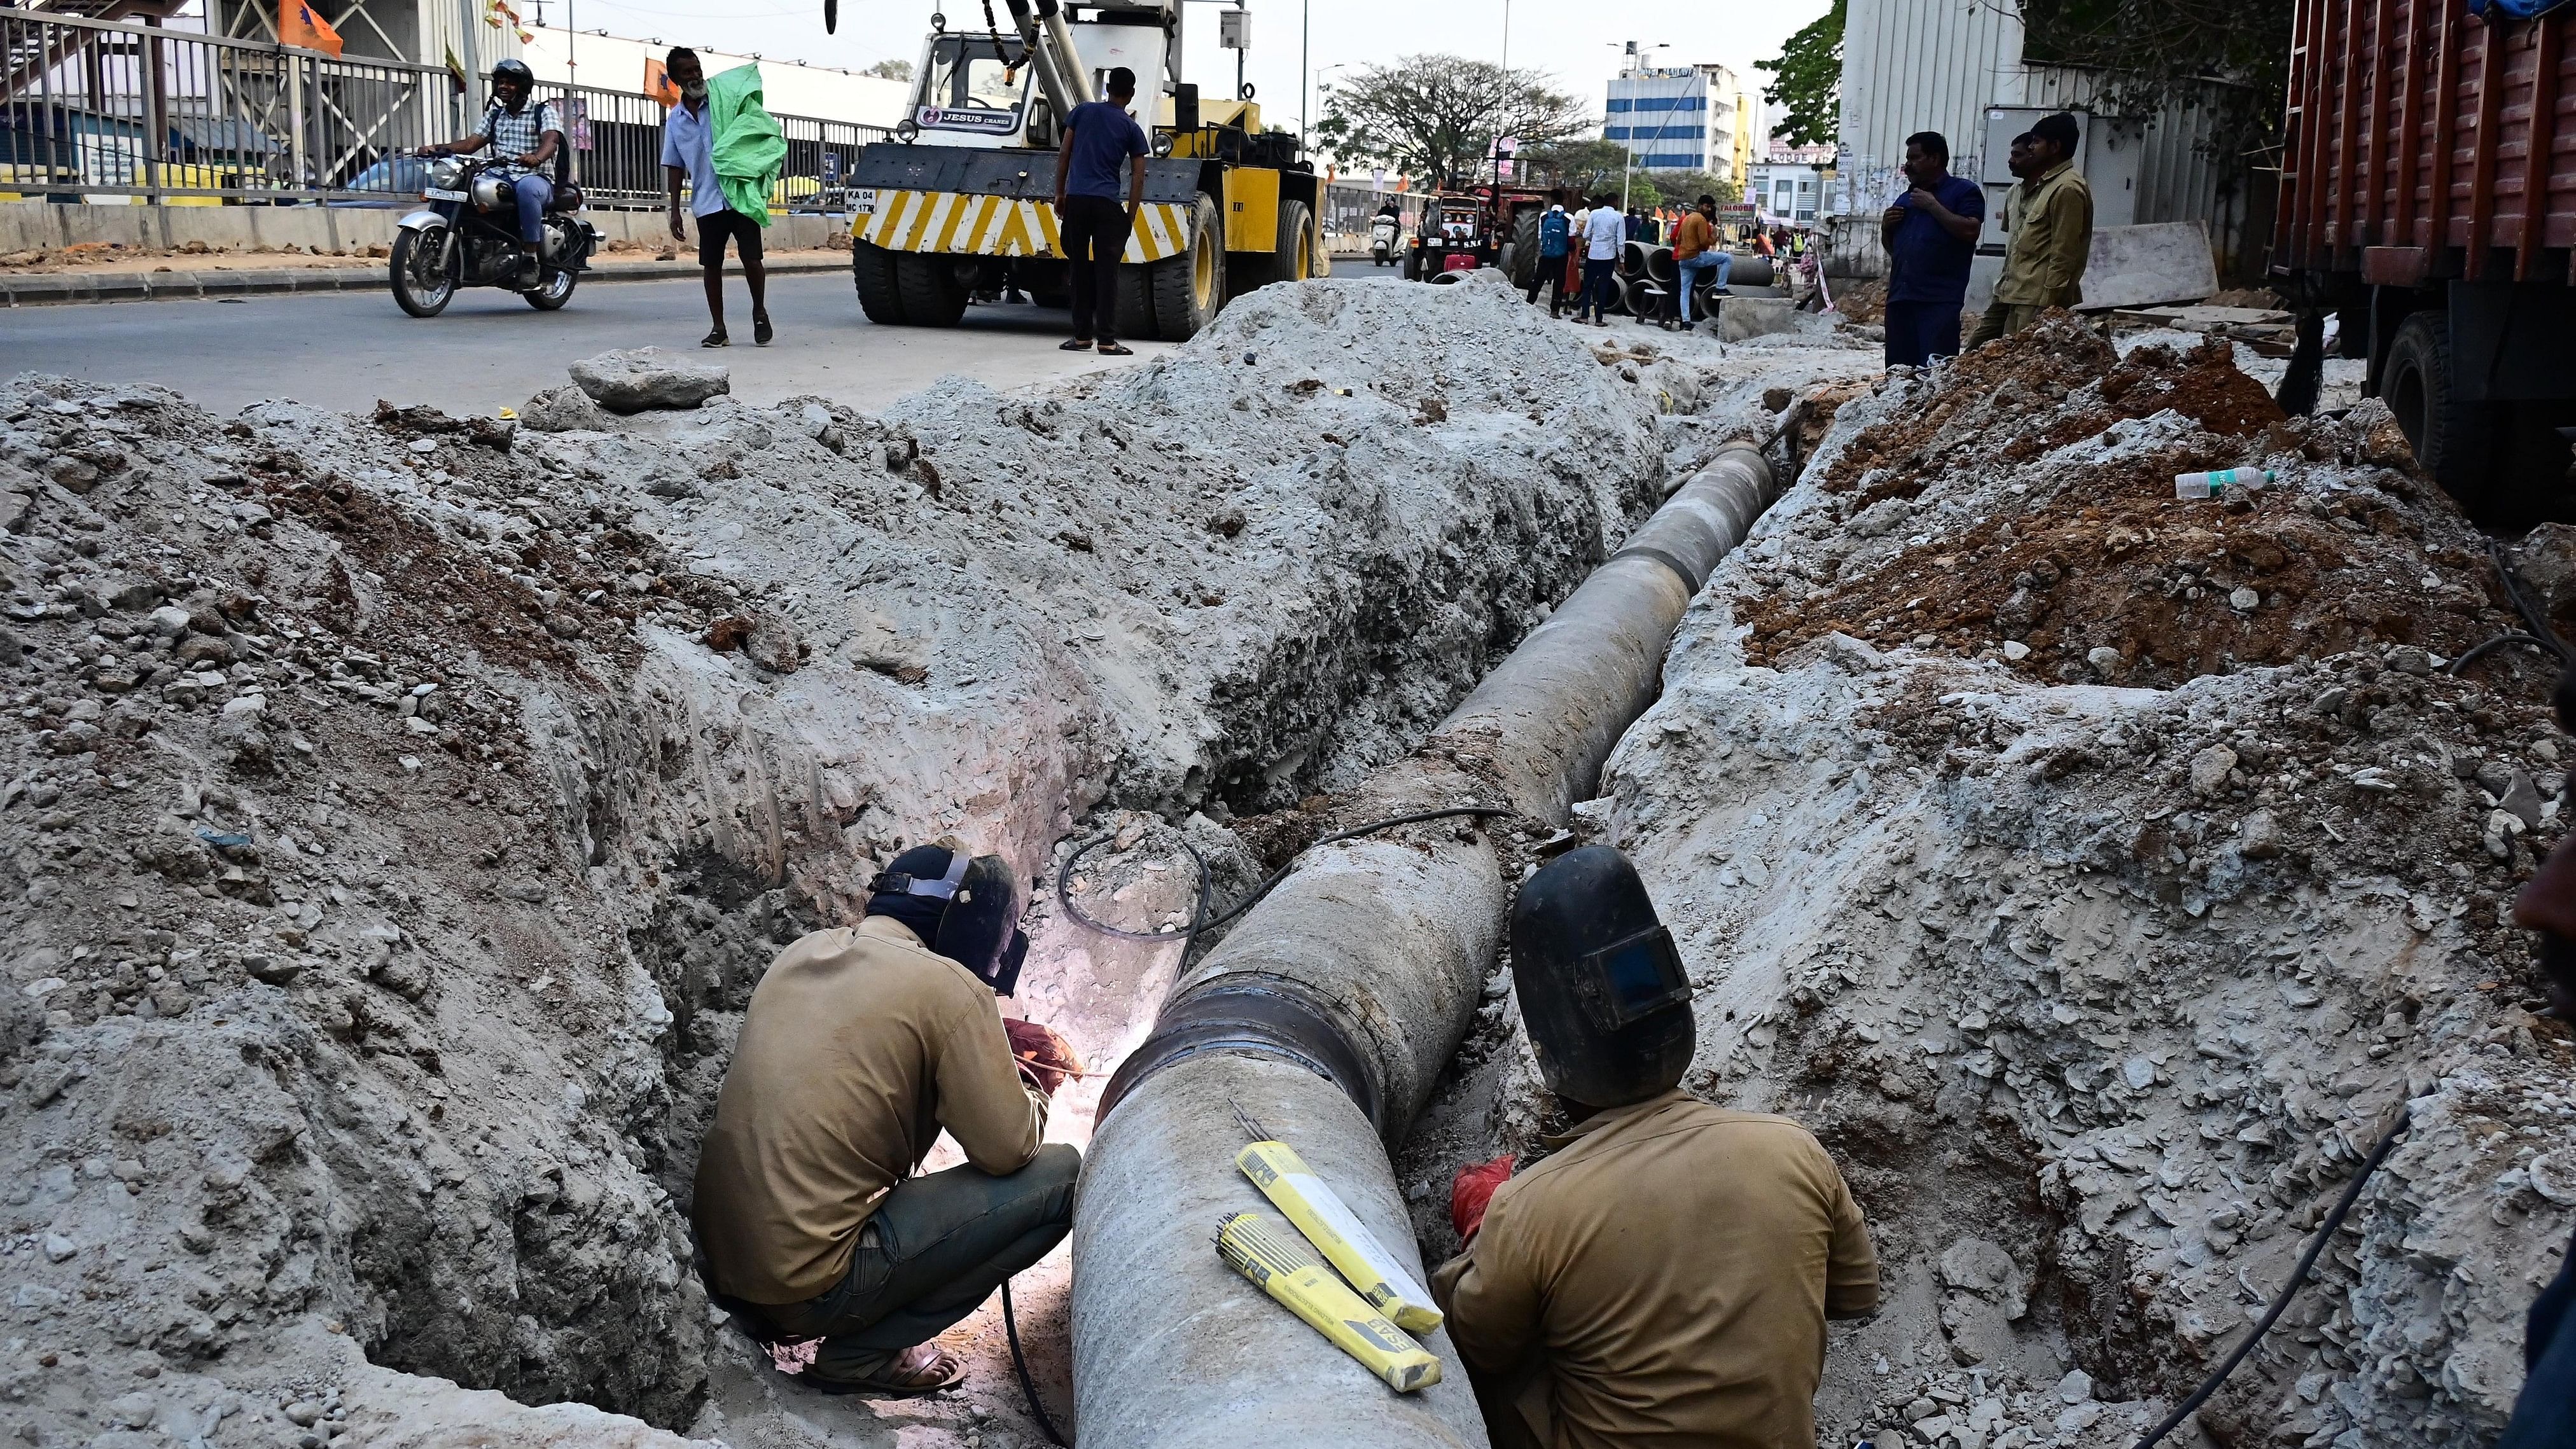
<point x="1112" y="349"/>
<point x="924" y="1368"/>
<point x="1079" y="344"/>
<point x="716" y="338"/>
<point x="760" y="329"/>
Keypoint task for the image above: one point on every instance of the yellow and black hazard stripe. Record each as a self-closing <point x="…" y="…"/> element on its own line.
<point x="999" y="226"/>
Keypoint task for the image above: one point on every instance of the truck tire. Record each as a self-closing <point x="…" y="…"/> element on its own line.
<point x="2453" y="441"/>
<point x="1189" y="287"/>
<point x="1290" y="259"/>
<point x="1524" y="247"/>
<point x="872" y="271"/>
<point x="931" y="294"/>
<point x="1132" y="310"/>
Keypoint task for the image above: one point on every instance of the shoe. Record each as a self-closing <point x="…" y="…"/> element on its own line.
<point x="1113" y="349"/>
<point x="716" y="338"/>
<point x="924" y="1368"/>
<point x="531" y="273"/>
<point x="1078" y="344"/>
<point x="761" y="331"/>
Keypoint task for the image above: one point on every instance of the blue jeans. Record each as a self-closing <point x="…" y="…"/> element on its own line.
<point x="1600" y="286"/>
<point x="1917" y="332"/>
<point x="534" y="192"/>
<point x="1722" y="263"/>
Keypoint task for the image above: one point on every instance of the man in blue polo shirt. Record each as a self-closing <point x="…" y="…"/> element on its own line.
<point x="1100" y="140"/>
<point x="1931" y="236"/>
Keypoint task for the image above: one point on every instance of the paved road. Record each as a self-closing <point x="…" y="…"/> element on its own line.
<point x="491" y="350"/>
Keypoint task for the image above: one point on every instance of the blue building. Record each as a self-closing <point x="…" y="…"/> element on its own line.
<point x="1679" y="118"/>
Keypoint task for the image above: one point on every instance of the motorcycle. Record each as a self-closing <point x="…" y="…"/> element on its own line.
<point x="469" y="237"/>
<point x="1384" y="233"/>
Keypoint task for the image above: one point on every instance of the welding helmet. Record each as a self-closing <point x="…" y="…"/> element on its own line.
<point x="1601" y="986"/>
<point x="966" y="908"/>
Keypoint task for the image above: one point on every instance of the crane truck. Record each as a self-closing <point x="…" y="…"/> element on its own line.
<point x="963" y="201"/>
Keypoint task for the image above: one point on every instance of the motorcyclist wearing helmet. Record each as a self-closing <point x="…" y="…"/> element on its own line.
<point x="525" y="134"/>
<point x="1666" y="1273"/>
<point x="859" y="1046"/>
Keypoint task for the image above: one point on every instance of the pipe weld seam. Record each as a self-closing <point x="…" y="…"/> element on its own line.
<point x="1254" y="1015"/>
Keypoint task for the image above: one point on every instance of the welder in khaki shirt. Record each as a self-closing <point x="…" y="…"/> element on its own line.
<point x="2048" y="222"/>
<point x="859" y="1046"/>
<point x="1665" y="1275"/>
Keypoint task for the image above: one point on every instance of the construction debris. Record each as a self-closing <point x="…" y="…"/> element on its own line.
<point x="2099" y="918"/>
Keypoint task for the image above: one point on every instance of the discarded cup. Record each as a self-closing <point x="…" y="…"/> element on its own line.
<point x="2195" y="486"/>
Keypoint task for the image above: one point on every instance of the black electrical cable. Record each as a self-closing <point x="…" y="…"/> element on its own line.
<point x="2281" y="1301"/>
<point x="2532" y="618"/>
<point x="2472" y="655"/>
<point x="1020" y="1362"/>
<point x="1200" y="920"/>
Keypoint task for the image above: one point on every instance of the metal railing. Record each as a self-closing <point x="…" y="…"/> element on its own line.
<point x="97" y="110"/>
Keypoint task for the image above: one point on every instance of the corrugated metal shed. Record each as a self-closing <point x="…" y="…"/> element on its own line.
<point x="1922" y="65"/>
<point x="2179" y="179"/>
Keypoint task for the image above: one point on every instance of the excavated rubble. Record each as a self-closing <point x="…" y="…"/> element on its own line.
<point x="2099" y="902"/>
<point x="402" y="806"/>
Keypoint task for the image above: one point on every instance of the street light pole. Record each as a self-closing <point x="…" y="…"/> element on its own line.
<point x="1305" y="61"/>
<point x="1507" y="34"/>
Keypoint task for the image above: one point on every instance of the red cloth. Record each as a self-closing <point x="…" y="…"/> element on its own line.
<point x="1474" y="1189"/>
<point x="1045" y="1057"/>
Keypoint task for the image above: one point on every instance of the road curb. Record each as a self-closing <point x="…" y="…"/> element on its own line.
<point x="59" y="288"/>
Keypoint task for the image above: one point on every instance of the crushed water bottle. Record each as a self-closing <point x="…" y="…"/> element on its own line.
<point x="2192" y="487"/>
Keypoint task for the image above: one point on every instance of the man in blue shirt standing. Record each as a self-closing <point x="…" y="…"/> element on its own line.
<point x="1100" y="139"/>
<point x="1931" y="237"/>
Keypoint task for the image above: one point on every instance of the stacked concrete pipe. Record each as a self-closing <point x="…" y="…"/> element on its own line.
<point x="1325" y="1018"/>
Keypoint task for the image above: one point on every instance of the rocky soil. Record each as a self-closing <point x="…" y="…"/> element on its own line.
<point x="400" y="807"/>
<point x="2099" y="873"/>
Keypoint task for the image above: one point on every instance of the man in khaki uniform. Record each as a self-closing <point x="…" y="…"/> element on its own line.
<point x="1667" y="1273"/>
<point x="2049" y="221"/>
<point x="859" y="1046"/>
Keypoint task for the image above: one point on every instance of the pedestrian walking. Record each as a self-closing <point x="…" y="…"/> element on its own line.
<point x="689" y="140"/>
<point x="1100" y="140"/>
<point x="1603" y="234"/>
<point x="1555" y="239"/>
<point x="2049" y="234"/>
<point x="1696" y="252"/>
<point x="1931" y="238"/>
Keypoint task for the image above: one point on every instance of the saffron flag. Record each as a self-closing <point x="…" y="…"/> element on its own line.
<point x="298" y="25"/>
<point x="658" y="83"/>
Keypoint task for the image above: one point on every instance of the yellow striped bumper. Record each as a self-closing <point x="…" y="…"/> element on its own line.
<point x="999" y="226"/>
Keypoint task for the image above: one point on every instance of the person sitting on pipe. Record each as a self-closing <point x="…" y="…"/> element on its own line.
<point x="1667" y="1272"/>
<point x="860" y="1044"/>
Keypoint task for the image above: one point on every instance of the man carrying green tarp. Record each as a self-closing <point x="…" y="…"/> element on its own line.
<point x="726" y="147"/>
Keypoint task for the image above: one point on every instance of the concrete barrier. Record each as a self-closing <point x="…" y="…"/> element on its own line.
<point x="48" y="226"/>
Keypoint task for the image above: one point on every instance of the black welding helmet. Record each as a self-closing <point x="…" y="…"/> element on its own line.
<point x="966" y="908"/>
<point x="1601" y="987"/>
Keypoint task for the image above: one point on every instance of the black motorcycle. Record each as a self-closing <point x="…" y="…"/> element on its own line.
<point x="469" y="237"/>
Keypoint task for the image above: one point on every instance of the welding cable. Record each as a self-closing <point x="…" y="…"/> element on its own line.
<point x="1020" y="1363"/>
<point x="2477" y="652"/>
<point x="2532" y="618"/>
<point x="1201" y="921"/>
<point x="2281" y="1300"/>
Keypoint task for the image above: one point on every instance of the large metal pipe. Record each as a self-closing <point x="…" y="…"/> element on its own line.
<point x="1326" y="1017"/>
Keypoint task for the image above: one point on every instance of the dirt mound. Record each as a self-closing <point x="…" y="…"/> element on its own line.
<point x="2072" y="542"/>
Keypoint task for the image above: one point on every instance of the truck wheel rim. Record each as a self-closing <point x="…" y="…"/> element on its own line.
<point x="1203" y="269"/>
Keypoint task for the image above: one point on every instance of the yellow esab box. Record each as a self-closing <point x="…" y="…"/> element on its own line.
<point x="1319" y="1213"/>
<point x="1289" y="1270"/>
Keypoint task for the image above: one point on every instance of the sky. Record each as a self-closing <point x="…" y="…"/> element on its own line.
<point x="1579" y="42"/>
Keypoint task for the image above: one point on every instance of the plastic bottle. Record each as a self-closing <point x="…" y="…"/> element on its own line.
<point x="2192" y="487"/>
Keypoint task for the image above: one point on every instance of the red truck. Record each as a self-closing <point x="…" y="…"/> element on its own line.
<point x="2428" y="198"/>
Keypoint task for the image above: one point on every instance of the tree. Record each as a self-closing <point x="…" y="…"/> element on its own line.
<point x="899" y="70"/>
<point x="2155" y="52"/>
<point x="1807" y="81"/>
<point x="1685" y="188"/>
<point x="1590" y="166"/>
<point x="1436" y="117"/>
